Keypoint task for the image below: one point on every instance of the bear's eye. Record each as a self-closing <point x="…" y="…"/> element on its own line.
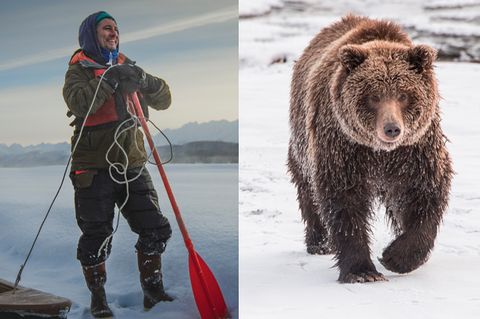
<point x="402" y="97"/>
<point x="375" y="98"/>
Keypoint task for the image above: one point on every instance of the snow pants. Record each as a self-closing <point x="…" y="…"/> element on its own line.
<point x="96" y="195"/>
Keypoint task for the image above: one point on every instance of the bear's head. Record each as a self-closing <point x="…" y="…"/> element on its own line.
<point x="385" y="94"/>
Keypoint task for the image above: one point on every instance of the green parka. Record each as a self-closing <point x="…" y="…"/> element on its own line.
<point x="78" y="91"/>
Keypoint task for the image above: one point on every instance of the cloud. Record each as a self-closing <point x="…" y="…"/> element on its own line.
<point x="219" y="16"/>
<point x="189" y="23"/>
<point x="39" y="57"/>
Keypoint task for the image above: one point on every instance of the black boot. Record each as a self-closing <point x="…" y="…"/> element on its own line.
<point x="150" y="267"/>
<point x="96" y="276"/>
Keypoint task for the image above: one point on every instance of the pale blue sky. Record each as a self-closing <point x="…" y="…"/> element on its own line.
<point x="192" y="44"/>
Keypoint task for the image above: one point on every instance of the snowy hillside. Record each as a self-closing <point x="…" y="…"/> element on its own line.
<point x="452" y="27"/>
<point x="278" y="278"/>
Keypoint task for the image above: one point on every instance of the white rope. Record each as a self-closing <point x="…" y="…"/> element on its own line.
<point x="121" y="168"/>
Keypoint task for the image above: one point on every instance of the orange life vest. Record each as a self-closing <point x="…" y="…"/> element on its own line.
<point x="107" y="113"/>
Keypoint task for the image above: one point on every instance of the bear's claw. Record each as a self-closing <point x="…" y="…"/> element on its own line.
<point x="363" y="277"/>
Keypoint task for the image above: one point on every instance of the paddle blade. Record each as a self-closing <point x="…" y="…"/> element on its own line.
<point x="207" y="293"/>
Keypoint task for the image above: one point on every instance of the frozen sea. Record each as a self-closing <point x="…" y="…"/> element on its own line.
<point x="207" y="195"/>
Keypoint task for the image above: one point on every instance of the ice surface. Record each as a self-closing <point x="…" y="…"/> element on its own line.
<point x="208" y="199"/>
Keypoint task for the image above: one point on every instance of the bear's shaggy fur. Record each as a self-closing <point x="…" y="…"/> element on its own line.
<point x="365" y="128"/>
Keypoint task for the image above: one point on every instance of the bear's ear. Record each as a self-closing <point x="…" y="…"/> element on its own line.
<point x="421" y="57"/>
<point x="352" y="56"/>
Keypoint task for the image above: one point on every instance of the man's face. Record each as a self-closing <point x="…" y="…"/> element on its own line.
<point x="107" y="34"/>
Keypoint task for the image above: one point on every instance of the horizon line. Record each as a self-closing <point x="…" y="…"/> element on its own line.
<point x="8" y="144"/>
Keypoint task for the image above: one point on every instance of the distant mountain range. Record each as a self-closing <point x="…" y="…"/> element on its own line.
<point x="210" y="142"/>
<point x="224" y="131"/>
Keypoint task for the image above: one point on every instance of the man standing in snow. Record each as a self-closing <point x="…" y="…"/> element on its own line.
<point x="104" y="159"/>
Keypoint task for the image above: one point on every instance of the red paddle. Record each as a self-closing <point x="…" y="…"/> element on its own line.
<point x="207" y="292"/>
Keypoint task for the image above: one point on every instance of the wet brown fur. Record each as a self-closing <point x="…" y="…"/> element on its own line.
<point x="339" y="163"/>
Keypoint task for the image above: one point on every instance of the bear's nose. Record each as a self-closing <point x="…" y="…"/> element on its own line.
<point x="391" y="130"/>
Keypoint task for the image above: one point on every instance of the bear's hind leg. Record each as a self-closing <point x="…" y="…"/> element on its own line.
<point x="316" y="235"/>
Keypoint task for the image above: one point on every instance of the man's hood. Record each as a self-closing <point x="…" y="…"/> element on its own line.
<point x="87" y="38"/>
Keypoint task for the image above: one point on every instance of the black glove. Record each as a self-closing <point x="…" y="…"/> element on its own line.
<point x="125" y="77"/>
<point x="142" y="77"/>
<point x="148" y="83"/>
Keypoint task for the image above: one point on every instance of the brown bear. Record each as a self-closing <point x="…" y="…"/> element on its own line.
<point x="365" y="129"/>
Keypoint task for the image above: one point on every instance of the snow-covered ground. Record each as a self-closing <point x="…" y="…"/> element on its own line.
<point x="207" y="196"/>
<point x="278" y="279"/>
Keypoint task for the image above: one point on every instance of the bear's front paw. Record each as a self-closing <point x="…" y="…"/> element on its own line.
<point x="361" y="277"/>
<point x="404" y="255"/>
